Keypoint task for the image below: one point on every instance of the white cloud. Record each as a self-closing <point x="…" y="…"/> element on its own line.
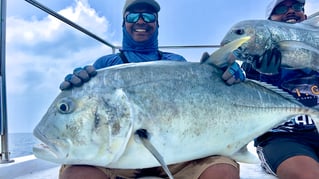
<point x="41" y="51"/>
<point x="86" y="16"/>
<point x="42" y="46"/>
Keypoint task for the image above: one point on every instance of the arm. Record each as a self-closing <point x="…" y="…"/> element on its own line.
<point x="172" y="56"/>
<point x="265" y="67"/>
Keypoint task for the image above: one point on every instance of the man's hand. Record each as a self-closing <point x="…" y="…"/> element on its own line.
<point x="79" y="76"/>
<point x="233" y="73"/>
<point x="269" y="62"/>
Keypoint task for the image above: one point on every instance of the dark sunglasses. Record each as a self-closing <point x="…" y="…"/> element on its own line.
<point x="135" y="16"/>
<point x="282" y="9"/>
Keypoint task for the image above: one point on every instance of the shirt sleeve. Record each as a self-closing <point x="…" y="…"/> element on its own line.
<point x="172" y="56"/>
<point x="107" y="60"/>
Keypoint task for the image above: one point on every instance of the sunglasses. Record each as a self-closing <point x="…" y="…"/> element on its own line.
<point x="135" y="16"/>
<point x="282" y="9"/>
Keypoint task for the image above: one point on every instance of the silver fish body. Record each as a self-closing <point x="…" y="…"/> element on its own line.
<point x="185" y="107"/>
<point x="298" y="43"/>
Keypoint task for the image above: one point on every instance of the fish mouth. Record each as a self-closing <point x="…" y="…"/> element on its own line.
<point x="48" y="149"/>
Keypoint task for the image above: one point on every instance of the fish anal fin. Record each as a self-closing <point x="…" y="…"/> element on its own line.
<point x="143" y="135"/>
<point x="243" y="155"/>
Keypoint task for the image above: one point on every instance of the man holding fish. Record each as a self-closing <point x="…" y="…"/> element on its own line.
<point x="140" y="31"/>
<point x="290" y="150"/>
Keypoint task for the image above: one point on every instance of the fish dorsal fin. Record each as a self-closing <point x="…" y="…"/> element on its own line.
<point x="275" y="89"/>
<point x="143" y="135"/>
<point x="316" y="14"/>
<point x="313" y="20"/>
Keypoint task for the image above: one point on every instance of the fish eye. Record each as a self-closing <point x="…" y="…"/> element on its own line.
<point x="65" y="106"/>
<point x="239" y="31"/>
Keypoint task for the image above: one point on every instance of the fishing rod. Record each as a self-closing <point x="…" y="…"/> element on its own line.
<point x="67" y="21"/>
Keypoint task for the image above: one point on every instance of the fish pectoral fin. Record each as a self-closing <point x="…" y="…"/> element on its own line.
<point x="292" y="45"/>
<point x="245" y="156"/>
<point x="143" y="135"/>
<point x="219" y="57"/>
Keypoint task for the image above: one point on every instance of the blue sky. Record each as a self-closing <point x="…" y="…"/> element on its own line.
<point x="41" y="50"/>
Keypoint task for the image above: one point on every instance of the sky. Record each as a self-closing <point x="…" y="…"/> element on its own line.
<point x="41" y="50"/>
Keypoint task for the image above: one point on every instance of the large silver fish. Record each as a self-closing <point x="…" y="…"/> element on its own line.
<point x="299" y="43"/>
<point x="158" y="113"/>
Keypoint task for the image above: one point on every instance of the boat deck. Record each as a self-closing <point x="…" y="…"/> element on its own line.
<point x="29" y="167"/>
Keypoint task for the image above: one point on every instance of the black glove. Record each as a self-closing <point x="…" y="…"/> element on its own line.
<point x="79" y="76"/>
<point x="269" y="62"/>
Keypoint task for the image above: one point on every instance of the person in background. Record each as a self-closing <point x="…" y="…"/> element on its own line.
<point x="139" y="44"/>
<point x="290" y="150"/>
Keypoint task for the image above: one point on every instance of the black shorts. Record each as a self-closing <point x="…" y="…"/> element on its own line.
<point x="276" y="149"/>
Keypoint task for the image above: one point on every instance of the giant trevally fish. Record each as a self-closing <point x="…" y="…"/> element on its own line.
<point x="139" y="115"/>
<point x="298" y="43"/>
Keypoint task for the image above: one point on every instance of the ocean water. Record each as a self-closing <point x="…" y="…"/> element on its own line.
<point x="20" y="144"/>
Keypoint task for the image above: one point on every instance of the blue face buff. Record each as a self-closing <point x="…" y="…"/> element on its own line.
<point x="133" y="17"/>
<point x="282" y="9"/>
<point x="128" y="43"/>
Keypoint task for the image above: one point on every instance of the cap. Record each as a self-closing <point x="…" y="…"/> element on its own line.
<point x="129" y="3"/>
<point x="274" y="3"/>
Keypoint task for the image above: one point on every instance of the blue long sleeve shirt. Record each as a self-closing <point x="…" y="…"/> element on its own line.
<point x="135" y="57"/>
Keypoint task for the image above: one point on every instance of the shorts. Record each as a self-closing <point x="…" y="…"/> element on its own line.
<point x="191" y="169"/>
<point x="280" y="147"/>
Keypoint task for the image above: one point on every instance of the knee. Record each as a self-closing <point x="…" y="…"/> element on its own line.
<point x="311" y="175"/>
<point x="298" y="167"/>
<point x="225" y="171"/>
<point x="81" y="172"/>
<point x="299" y="175"/>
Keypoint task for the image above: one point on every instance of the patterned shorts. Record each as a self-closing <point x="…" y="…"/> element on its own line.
<point x="274" y="151"/>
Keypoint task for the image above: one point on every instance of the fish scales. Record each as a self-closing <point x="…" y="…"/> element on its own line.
<point x="186" y="108"/>
<point x="298" y="43"/>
